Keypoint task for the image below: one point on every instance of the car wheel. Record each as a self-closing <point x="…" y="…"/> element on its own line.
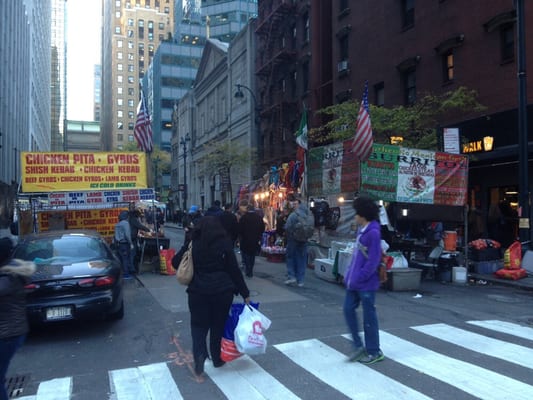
<point x="117" y="315"/>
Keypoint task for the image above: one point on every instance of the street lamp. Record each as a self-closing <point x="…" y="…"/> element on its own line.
<point x="239" y="95"/>
<point x="183" y="142"/>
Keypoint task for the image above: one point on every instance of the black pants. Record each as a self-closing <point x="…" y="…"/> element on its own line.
<point x="208" y="314"/>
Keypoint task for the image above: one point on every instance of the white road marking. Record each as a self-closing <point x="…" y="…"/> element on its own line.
<point x="506" y="327"/>
<point x="510" y="352"/>
<point x="477" y="381"/>
<point x="353" y="379"/>
<point x="243" y="378"/>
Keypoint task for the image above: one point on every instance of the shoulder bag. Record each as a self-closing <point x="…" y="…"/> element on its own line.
<point x="186" y="268"/>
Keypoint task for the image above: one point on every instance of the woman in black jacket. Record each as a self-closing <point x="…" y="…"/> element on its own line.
<point x="216" y="279"/>
<point x="14" y="274"/>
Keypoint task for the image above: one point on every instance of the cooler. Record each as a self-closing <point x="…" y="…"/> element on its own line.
<point x="324" y="269"/>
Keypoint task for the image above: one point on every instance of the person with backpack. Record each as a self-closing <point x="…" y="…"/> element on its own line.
<point x="299" y="228"/>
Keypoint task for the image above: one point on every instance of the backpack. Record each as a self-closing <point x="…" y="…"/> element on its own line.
<point x="304" y="228"/>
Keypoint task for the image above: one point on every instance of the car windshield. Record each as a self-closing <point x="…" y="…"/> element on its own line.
<point x="65" y="248"/>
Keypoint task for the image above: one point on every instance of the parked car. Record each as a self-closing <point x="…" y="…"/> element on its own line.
<point x="77" y="277"/>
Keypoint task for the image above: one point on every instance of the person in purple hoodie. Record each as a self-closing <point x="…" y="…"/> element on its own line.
<point x="362" y="282"/>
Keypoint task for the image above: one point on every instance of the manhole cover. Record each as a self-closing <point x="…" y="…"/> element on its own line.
<point x="15" y="385"/>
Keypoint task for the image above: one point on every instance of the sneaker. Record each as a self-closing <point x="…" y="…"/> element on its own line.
<point x="301" y="284"/>
<point x="290" y="281"/>
<point x="372" y="358"/>
<point x="357" y="354"/>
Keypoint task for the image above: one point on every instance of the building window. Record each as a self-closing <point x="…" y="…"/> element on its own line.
<point x="120" y="113"/>
<point x="161" y="26"/>
<point x="119" y="67"/>
<point x="130" y="33"/>
<point x="343" y="5"/>
<point x="131" y="68"/>
<point x="130" y="79"/>
<point x="120" y="125"/>
<point x="119" y="43"/>
<point x="306" y="27"/>
<point x="130" y="57"/>
<point x="305" y="76"/>
<point x="119" y="90"/>
<point x="130" y="126"/>
<point x="130" y="114"/>
<point x="131" y="45"/>
<point x="119" y="78"/>
<point x="447" y="66"/>
<point x="120" y="102"/>
<point x="117" y="14"/>
<point x="130" y="103"/>
<point x="140" y="33"/>
<point x="130" y="138"/>
<point x="408" y="13"/>
<point x="131" y="92"/>
<point x="507" y="42"/>
<point x="379" y="94"/>
<point x="344" y="48"/>
<point x="117" y="30"/>
<point x="409" y="81"/>
<point x="141" y="23"/>
<point x="120" y="137"/>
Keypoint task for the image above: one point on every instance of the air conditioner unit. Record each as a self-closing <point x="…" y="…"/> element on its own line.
<point x="342" y="66"/>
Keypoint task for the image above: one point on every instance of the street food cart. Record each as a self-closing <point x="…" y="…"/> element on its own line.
<point x="417" y="185"/>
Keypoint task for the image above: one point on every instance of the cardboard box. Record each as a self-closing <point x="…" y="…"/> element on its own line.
<point x="404" y="279"/>
<point x="324" y="269"/>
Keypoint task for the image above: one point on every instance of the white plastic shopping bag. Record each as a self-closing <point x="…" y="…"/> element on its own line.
<point x="249" y="337"/>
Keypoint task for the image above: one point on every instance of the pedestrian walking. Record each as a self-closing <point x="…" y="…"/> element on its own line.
<point x="14" y="275"/>
<point x="216" y="280"/>
<point x="296" y="252"/>
<point x="135" y="227"/>
<point x="124" y="243"/>
<point x="362" y="282"/>
<point x="230" y="223"/>
<point x="215" y="210"/>
<point x="251" y="228"/>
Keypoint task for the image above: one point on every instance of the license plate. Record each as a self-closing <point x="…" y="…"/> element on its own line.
<point x="54" y="313"/>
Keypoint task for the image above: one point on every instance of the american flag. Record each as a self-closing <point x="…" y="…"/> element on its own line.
<point x="363" y="140"/>
<point x="143" y="128"/>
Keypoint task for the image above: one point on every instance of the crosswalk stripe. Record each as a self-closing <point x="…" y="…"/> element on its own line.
<point x="149" y="382"/>
<point x="510" y="352"/>
<point x="470" y="378"/>
<point x="352" y="379"/>
<point x="505" y="327"/>
<point x="243" y="378"/>
<point x="54" y="389"/>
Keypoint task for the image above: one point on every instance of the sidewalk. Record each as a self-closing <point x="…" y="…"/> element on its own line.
<point x="267" y="284"/>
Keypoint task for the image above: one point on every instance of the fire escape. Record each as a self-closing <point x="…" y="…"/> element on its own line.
<point x="275" y="69"/>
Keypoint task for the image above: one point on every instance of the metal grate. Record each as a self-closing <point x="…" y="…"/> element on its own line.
<point x="15" y="385"/>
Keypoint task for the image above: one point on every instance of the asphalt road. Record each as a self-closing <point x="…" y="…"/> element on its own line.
<point x="439" y="343"/>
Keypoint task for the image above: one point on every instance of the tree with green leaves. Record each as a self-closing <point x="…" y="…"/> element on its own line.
<point x="158" y="157"/>
<point x="416" y="124"/>
<point x="222" y="157"/>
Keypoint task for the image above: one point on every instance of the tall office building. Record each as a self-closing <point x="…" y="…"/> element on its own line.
<point x="173" y="69"/>
<point x="97" y="91"/>
<point x="132" y="32"/>
<point x="25" y="90"/>
<point x="59" y="76"/>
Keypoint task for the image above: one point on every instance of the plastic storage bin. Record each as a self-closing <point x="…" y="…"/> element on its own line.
<point x="404" y="279"/>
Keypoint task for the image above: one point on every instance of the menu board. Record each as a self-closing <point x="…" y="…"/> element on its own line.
<point x="64" y="171"/>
